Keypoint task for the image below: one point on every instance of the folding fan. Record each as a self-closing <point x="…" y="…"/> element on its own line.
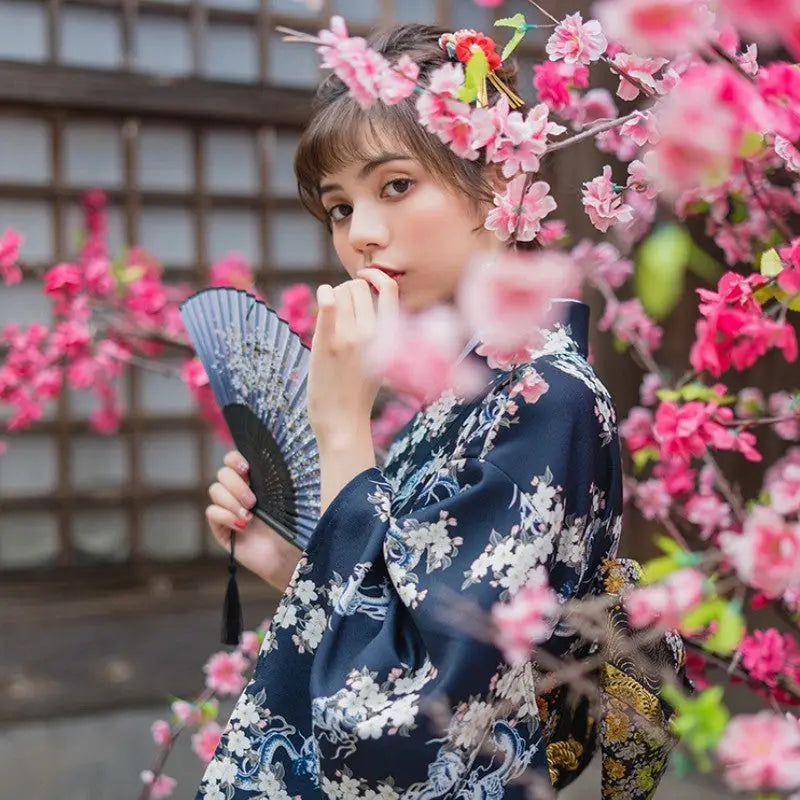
<point x="258" y="370"/>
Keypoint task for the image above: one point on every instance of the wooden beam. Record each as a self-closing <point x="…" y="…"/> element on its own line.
<point x="41" y="85"/>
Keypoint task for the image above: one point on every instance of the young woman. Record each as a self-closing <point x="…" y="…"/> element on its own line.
<point x="473" y="497"/>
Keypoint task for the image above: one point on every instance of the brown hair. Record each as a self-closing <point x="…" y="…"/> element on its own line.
<point x="340" y="132"/>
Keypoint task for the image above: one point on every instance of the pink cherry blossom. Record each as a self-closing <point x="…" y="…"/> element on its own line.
<point x="782" y="483"/>
<point x="709" y="512"/>
<point x="601" y="263"/>
<point x="298" y="307"/>
<point x="656" y="27"/>
<point x="783" y="404"/>
<point x="394" y="415"/>
<point x="206" y="740"/>
<point x="595" y="106"/>
<point x="161" y="786"/>
<point x="636" y="429"/>
<point x="721" y="108"/>
<point x="779" y="86"/>
<point x="249" y="644"/>
<point x="603" y="204"/>
<point x="638" y="67"/>
<point x="521" y="141"/>
<point x="575" y="41"/>
<point x="456" y="124"/>
<point x="553" y="82"/>
<point x="186" y="713"/>
<point x="766" y="654"/>
<point x="610" y="141"/>
<point x="518" y="217"/>
<point x="529" y="618"/>
<point x="531" y="387"/>
<point x="683" y="430"/>
<point x="9" y="255"/>
<point x="651" y="383"/>
<point x="224" y="673"/>
<point x="733" y="331"/>
<point x="552" y="231"/>
<point x="359" y="67"/>
<point x="399" y="81"/>
<point x="233" y="270"/>
<point x="162" y="735"/>
<point x="788" y="152"/>
<point x="766" y="554"/>
<point x="505" y="300"/>
<point x="750" y="403"/>
<point x="652" y="499"/>
<point x="630" y="324"/>
<point x="642" y="128"/>
<point x="760" y="751"/>
<point x="769" y="23"/>
<point x="417" y="354"/>
<point x="666" y="602"/>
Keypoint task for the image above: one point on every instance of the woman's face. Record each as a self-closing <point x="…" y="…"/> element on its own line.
<point x="391" y="212"/>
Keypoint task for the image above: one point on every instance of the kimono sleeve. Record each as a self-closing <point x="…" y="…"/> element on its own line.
<point x="527" y="485"/>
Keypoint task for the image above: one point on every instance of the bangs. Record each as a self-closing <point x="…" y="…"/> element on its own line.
<point x="342" y="134"/>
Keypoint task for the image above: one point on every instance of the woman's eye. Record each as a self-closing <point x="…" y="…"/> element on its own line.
<point x="401" y="185"/>
<point x="339" y="212"/>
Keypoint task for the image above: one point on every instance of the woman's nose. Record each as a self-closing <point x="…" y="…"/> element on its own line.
<point x="368" y="229"/>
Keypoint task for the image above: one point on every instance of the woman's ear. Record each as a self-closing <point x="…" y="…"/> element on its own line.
<point x="494" y="177"/>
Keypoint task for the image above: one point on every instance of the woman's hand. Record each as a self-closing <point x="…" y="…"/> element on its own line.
<point x="340" y="393"/>
<point x="258" y="547"/>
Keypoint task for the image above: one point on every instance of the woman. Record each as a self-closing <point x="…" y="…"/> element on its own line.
<point x="474" y="496"/>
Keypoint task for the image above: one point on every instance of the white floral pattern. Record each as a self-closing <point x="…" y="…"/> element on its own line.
<point x="473" y="497"/>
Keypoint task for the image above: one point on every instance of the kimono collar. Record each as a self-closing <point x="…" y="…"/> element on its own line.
<point x="569" y="332"/>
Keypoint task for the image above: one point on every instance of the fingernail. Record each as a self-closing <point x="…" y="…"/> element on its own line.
<point x="240" y="524"/>
<point x="243" y="466"/>
<point x="244" y="513"/>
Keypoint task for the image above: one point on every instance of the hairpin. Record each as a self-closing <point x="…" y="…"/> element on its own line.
<point x="477" y="52"/>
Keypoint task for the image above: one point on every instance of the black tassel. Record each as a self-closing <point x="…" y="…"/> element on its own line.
<point x="232" y="608"/>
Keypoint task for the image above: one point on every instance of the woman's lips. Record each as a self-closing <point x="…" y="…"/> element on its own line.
<point x="395" y="275"/>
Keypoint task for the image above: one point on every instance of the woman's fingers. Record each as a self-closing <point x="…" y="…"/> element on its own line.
<point x="363" y="308"/>
<point x="235" y="460"/>
<point x="237" y="486"/>
<point x="222" y="496"/>
<point x="326" y="313"/>
<point x="388" y="294"/>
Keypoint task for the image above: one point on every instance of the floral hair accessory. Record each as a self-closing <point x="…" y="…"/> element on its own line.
<point x="477" y="51"/>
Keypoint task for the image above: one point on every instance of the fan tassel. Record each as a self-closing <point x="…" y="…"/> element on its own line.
<point x="232" y="607"/>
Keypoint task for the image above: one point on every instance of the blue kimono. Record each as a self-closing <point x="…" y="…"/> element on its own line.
<point x="363" y="656"/>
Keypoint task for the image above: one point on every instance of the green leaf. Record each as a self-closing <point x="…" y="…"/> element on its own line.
<point x="661" y="261"/>
<point x="770" y="263"/>
<point x="657" y="568"/>
<point x="702" y="614"/>
<point x="642" y="457"/>
<point x="703" y="265"/>
<point x="474" y="76"/>
<point x="511" y="46"/>
<point x="729" y="632"/>
<point x="702" y="720"/>
<point x="667" y="545"/>
<point x="517" y="21"/>
<point x="738" y="211"/>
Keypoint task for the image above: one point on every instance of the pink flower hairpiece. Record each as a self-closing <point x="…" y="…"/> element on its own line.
<point x="462" y="45"/>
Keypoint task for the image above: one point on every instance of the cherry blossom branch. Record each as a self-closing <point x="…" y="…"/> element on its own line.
<point x="732" y="667"/>
<point x="779" y="224"/>
<point x="590" y="132"/>
<point x="158" y="766"/>
<point x="749" y="423"/>
<point x="725" y="487"/>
